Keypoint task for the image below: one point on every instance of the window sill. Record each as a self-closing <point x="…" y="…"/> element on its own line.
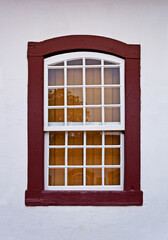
<point x="84" y="198"/>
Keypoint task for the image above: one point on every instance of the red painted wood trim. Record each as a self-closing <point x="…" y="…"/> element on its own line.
<point x="35" y="194"/>
<point x="84" y="198"/>
<point x="80" y="42"/>
<point x="35" y="124"/>
<point x="132" y="124"/>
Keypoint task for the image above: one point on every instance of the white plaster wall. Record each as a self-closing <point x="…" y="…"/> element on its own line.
<point x="143" y="22"/>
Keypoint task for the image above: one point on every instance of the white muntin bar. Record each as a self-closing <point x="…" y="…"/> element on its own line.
<point x="84" y="160"/>
<point x="86" y="188"/>
<point x="84" y="93"/>
<point x="87" y="106"/>
<point x="102" y="82"/>
<point x="108" y="127"/>
<point x="82" y="166"/>
<point x="87" y="146"/>
<point x="87" y="66"/>
<point x="103" y="156"/>
<point x="66" y="157"/>
<point x="65" y="93"/>
<point x="86" y="86"/>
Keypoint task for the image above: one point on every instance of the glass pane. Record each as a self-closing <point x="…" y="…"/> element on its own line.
<point x="74" y="115"/>
<point x="112" y="138"/>
<point x="111" y="76"/>
<point x="93" y="96"/>
<point x="109" y="63"/>
<point x="57" y="64"/>
<point x="93" y="62"/>
<point x="93" y="176"/>
<point x="112" y="176"/>
<point x="75" y="176"/>
<point x="111" y="95"/>
<point x="93" y="138"/>
<point x="75" y="138"/>
<point x="112" y="156"/>
<point x="74" y="96"/>
<point x="56" y="156"/>
<point x="55" y="77"/>
<point x="56" y="177"/>
<point x="75" y="156"/>
<point x="56" y="138"/>
<point x="93" y="114"/>
<point x="56" y="115"/>
<point x="93" y="156"/>
<point x="74" y="77"/>
<point x="112" y="114"/>
<point x="74" y="62"/>
<point x="93" y="76"/>
<point x="55" y="97"/>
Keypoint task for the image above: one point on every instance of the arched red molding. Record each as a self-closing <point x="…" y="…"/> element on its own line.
<point x="35" y="193"/>
<point x="83" y="42"/>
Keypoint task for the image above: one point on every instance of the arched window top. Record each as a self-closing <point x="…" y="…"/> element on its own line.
<point x="83" y="58"/>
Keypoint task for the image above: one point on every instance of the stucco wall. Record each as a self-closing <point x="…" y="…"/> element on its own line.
<point x="131" y="21"/>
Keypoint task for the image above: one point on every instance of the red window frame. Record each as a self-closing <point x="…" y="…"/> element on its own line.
<point x="35" y="194"/>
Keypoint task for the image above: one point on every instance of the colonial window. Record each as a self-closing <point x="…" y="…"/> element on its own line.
<point x="83" y="122"/>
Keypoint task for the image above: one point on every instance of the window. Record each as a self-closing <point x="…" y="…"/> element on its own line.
<point x="83" y="122"/>
<point x="83" y="119"/>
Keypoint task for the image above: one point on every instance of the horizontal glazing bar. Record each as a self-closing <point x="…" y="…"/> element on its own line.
<point x="88" y="106"/>
<point x="87" y="86"/>
<point x="82" y="146"/>
<point x="81" y="66"/>
<point x="87" y="166"/>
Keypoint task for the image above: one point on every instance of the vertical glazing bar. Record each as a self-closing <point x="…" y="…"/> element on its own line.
<point x="84" y="92"/>
<point x="66" y="155"/>
<point x="65" y="93"/>
<point x="102" y="82"/>
<point x="84" y="159"/>
<point x="103" y="158"/>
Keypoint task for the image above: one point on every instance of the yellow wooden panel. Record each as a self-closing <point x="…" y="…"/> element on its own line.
<point x="57" y="156"/>
<point x="56" y="97"/>
<point x="93" y="138"/>
<point x="93" y="114"/>
<point x="56" y="177"/>
<point x="93" y="176"/>
<point x="75" y="138"/>
<point x="93" y="76"/>
<point x="56" y="138"/>
<point x="93" y="156"/>
<point x="93" y="96"/>
<point x="74" y="77"/>
<point x="112" y="156"/>
<point x="56" y="115"/>
<point x="75" y="176"/>
<point x="112" y="176"/>
<point x="74" y="115"/>
<point x="74" y="96"/>
<point x="75" y="156"/>
<point x="112" y="138"/>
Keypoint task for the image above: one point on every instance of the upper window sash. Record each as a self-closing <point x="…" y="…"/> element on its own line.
<point x="104" y="62"/>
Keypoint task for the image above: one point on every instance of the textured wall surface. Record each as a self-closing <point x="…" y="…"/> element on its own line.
<point x="131" y="21"/>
